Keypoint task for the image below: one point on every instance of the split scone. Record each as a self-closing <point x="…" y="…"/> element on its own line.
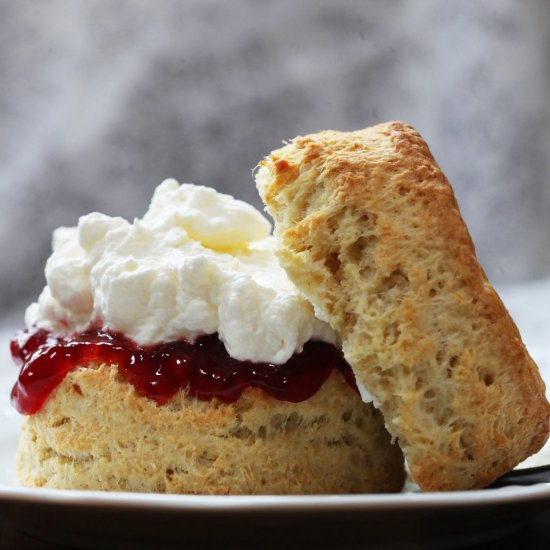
<point x="172" y="354"/>
<point x="369" y="230"/>
<point x="96" y="433"/>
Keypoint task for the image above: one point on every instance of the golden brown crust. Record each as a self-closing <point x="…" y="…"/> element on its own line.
<point x="369" y="229"/>
<point x="96" y="433"/>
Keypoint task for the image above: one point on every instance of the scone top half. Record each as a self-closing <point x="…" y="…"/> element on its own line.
<point x="370" y="231"/>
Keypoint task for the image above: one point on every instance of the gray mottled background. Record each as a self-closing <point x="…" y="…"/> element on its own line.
<point x="101" y="100"/>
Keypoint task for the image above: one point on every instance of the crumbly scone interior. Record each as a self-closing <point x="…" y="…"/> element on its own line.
<point x="370" y="231"/>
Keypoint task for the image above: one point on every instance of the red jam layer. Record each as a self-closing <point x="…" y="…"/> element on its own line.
<point x="204" y="368"/>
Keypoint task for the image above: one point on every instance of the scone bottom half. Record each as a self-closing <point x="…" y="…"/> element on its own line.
<point x="109" y="421"/>
<point x="368" y="228"/>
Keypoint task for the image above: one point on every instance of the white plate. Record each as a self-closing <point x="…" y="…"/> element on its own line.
<point x="88" y="519"/>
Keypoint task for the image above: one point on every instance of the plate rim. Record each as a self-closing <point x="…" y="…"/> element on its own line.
<point x="539" y="494"/>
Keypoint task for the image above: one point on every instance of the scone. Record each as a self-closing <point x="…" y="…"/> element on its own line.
<point x="95" y="432"/>
<point x="369" y="230"/>
<point x="173" y="355"/>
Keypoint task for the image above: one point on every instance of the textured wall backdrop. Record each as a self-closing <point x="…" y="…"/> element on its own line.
<point x="101" y="100"/>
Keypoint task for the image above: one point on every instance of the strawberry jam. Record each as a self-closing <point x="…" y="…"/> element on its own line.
<point x="204" y="369"/>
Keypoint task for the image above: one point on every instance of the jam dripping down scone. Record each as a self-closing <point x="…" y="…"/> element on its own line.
<point x="369" y="230"/>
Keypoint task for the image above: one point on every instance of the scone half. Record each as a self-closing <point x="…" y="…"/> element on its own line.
<point x="369" y="230"/>
<point x="96" y="433"/>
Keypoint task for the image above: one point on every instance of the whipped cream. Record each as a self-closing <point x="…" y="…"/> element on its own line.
<point x="198" y="262"/>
